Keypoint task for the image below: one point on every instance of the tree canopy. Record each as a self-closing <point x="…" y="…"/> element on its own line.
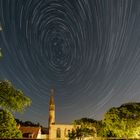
<point x="27" y="123"/>
<point x="11" y="98"/>
<point x="8" y="128"/>
<point x="80" y="133"/>
<point x="122" y="122"/>
<point x="84" y="127"/>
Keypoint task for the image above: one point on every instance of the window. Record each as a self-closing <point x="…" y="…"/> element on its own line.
<point x="58" y="133"/>
<point x="65" y="132"/>
<point x="68" y="131"/>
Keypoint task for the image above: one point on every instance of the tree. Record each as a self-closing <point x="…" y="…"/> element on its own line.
<point x="80" y="133"/>
<point x="8" y="128"/>
<point x="96" y="125"/>
<point x="27" y="123"/>
<point x="87" y="123"/>
<point x="84" y="127"/>
<point x="72" y="135"/>
<point x="122" y="122"/>
<point x="11" y="98"/>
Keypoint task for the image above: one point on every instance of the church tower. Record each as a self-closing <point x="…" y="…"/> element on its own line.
<point x="51" y="109"/>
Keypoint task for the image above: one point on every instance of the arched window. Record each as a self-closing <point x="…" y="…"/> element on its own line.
<point x="68" y="132"/>
<point x="58" y="133"/>
<point x="65" y="132"/>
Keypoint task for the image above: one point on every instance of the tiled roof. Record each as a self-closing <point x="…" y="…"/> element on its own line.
<point x="26" y="130"/>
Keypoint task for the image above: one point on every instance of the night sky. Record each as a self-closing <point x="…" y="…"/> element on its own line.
<point x="87" y="50"/>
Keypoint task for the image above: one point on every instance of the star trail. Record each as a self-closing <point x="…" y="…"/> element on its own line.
<point x="87" y="50"/>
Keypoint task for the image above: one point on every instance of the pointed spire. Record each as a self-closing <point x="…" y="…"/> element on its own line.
<point x="51" y="108"/>
<point x="52" y="97"/>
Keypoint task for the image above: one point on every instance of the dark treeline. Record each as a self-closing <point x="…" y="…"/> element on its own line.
<point x="27" y="123"/>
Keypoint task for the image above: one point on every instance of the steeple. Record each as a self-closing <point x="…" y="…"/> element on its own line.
<point x="51" y="108"/>
<point x="51" y="97"/>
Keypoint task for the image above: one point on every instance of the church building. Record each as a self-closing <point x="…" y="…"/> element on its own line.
<point x="57" y="131"/>
<point x="54" y="131"/>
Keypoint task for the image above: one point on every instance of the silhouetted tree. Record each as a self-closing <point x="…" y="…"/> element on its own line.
<point x="27" y="123"/>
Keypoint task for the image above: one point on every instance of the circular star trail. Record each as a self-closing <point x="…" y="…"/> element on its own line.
<point x="87" y="50"/>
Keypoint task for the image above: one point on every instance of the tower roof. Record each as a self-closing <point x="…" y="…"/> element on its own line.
<point x="52" y="97"/>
